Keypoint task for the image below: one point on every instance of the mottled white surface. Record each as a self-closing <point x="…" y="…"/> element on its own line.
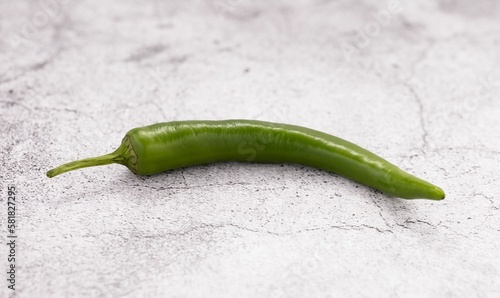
<point x="421" y="88"/>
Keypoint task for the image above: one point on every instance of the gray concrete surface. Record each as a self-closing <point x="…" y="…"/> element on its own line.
<point x="418" y="83"/>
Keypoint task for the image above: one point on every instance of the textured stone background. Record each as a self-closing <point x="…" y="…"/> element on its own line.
<point x="421" y="87"/>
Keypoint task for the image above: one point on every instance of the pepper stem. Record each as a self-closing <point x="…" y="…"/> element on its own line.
<point x="115" y="157"/>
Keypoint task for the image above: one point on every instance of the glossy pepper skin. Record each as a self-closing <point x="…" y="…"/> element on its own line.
<point x="164" y="146"/>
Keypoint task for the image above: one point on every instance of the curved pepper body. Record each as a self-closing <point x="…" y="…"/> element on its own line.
<point x="165" y="146"/>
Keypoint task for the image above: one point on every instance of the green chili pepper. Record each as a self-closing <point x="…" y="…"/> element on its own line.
<point x="164" y="146"/>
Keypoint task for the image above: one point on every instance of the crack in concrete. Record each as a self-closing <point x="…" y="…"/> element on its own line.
<point x="146" y="52"/>
<point x="457" y="233"/>
<point x="403" y="226"/>
<point x="406" y="224"/>
<point x="48" y="109"/>
<point x="380" y="212"/>
<point x="408" y="221"/>
<point x="407" y="83"/>
<point x="489" y="198"/>
<point x="344" y="227"/>
<point x="425" y="134"/>
<point x="184" y="181"/>
<point x="187" y="231"/>
<point x="226" y="225"/>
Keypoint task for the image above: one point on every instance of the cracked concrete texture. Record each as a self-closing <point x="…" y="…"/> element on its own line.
<point x="422" y="90"/>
